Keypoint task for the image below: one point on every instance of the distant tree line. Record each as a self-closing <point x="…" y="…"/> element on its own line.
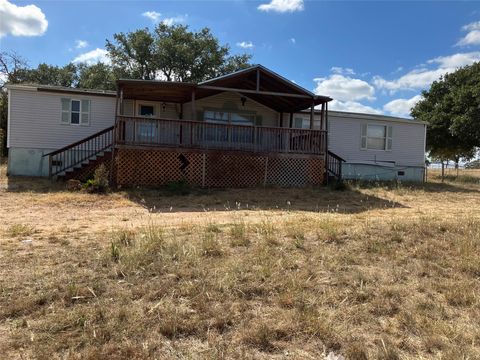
<point x="168" y="52"/>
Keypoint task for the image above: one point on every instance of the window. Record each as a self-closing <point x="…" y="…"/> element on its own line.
<point x="301" y="123"/>
<point x="146" y="110"/>
<point x="237" y="134"/>
<point x="376" y="137"/>
<point x="75" y="112"/>
<point x="217" y="117"/>
<point x="226" y="117"/>
<point x="242" y="119"/>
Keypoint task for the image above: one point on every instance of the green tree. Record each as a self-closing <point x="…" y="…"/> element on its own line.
<point x="132" y="54"/>
<point x="97" y="76"/>
<point x="451" y="107"/>
<point x="173" y="53"/>
<point x="46" y="74"/>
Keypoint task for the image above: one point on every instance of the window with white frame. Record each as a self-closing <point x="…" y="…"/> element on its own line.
<point x="376" y="137"/>
<point x="75" y="111"/>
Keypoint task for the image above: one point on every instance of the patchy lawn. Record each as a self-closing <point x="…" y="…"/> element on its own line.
<point x="377" y="272"/>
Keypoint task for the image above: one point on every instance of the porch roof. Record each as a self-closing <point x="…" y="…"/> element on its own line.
<point x="256" y="82"/>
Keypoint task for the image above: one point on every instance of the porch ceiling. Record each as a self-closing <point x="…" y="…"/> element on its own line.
<point x="257" y="83"/>
<point x="168" y="91"/>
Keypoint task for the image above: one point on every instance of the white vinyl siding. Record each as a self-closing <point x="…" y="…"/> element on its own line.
<point x="37" y="118"/>
<point x="406" y="145"/>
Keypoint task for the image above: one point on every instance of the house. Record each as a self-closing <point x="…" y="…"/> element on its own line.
<point x="376" y="147"/>
<point x="249" y="128"/>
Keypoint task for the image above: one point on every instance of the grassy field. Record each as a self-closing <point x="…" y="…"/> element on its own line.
<point x="372" y="272"/>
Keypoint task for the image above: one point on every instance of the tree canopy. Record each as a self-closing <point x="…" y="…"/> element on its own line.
<point x="451" y="107"/>
<point x="172" y="53"/>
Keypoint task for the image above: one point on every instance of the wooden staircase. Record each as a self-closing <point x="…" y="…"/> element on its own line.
<point x="334" y="166"/>
<point x="80" y="159"/>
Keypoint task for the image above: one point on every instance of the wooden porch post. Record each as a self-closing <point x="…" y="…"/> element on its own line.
<point x="312" y="115"/>
<point x="118" y="106"/>
<point x="322" y="117"/>
<point x="325" y="146"/>
<point x="258" y="79"/>
<point x="194" y="109"/>
<point x="326" y="127"/>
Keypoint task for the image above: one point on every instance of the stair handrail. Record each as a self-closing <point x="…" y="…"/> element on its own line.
<point x="334" y="164"/>
<point x="91" y="146"/>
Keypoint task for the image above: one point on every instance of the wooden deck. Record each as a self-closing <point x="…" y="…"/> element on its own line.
<point x="188" y="134"/>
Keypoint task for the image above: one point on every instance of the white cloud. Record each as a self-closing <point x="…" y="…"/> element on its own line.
<point x="174" y="20"/>
<point x="245" y="44"/>
<point x="471" y="26"/>
<point x="3" y="78"/>
<point x="456" y="60"/>
<point x="293" y="40"/>
<point x="401" y="107"/>
<point x="156" y="17"/>
<point x="152" y="15"/>
<point x="341" y="70"/>
<point x="93" y="57"/>
<point x="422" y="78"/>
<point x="414" y="80"/>
<point x="26" y="20"/>
<point x="282" y="6"/>
<point x="352" y="106"/>
<point x="344" y="88"/>
<point x="473" y="35"/>
<point x="472" y="38"/>
<point x="80" y="44"/>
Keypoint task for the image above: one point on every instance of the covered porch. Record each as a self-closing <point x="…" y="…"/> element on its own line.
<point x="157" y="114"/>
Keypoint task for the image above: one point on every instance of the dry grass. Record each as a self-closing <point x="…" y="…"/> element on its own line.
<point x="384" y="272"/>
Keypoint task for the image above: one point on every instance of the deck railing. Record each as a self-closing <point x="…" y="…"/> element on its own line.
<point x="74" y="154"/>
<point x="334" y="165"/>
<point x="217" y="136"/>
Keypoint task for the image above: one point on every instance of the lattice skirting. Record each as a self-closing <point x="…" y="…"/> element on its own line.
<point x="226" y="170"/>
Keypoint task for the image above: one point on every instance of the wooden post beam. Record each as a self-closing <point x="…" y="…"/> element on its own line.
<point x="194" y="109"/>
<point x="258" y="92"/>
<point x="312" y="114"/>
<point x="322" y="117"/>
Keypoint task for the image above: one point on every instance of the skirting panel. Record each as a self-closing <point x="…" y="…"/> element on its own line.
<point x="225" y="170"/>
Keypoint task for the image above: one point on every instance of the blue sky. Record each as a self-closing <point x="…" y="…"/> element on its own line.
<point x="369" y="56"/>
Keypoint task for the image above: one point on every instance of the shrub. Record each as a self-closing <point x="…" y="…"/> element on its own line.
<point x="99" y="183"/>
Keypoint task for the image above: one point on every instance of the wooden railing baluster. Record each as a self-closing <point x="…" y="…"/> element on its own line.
<point x="74" y="154"/>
